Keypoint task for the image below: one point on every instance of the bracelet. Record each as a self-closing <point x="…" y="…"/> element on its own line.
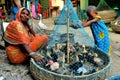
<point x="32" y="53"/>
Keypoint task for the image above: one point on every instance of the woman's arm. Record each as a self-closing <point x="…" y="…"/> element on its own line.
<point x="88" y="23"/>
<point x="84" y="23"/>
<point x="31" y="53"/>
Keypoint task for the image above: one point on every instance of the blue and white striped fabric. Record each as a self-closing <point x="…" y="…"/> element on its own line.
<point x="101" y="36"/>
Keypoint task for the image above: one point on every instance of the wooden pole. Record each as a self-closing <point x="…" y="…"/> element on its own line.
<point x="68" y="55"/>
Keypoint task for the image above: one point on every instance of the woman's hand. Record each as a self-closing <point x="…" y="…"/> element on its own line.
<point x="37" y="57"/>
<point x="84" y="23"/>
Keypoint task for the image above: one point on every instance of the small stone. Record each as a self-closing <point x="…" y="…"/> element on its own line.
<point x="1" y="78"/>
<point x="24" y="72"/>
<point x="117" y="53"/>
<point x="8" y="68"/>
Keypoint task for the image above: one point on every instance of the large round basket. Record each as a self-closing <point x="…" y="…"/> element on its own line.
<point x="116" y="26"/>
<point x="40" y="73"/>
<point x="107" y="15"/>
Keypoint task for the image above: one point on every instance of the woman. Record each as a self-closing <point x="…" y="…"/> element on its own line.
<point x="21" y="39"/>
<point x="99" y="29"/>
<point x="32" y="7"/>
<point x="39" y="7"/>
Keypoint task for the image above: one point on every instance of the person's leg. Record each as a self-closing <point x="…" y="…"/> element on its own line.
<point x="15" y="55"/>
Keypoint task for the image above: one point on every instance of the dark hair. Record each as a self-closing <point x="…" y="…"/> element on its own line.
<point x="89" y="9"/>
<point x="27" y="10"/>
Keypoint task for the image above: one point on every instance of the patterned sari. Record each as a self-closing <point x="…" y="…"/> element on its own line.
<point x="101" y="36"/>
<point x="16" y="34"/>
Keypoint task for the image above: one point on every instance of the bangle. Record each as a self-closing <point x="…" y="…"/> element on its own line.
<point x="32" y="53"/>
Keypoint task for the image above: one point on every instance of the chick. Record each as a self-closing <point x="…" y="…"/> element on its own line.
<point x="96" y="58"/>
<point x="53" y="65"/>
<point x="84" y="49"/>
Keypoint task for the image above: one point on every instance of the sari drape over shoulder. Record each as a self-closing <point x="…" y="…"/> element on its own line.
<point x="101" y="36"/>
<point x="16" y="33"/>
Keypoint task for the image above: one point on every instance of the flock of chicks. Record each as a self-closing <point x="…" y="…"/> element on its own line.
<point x="83" y="60"/>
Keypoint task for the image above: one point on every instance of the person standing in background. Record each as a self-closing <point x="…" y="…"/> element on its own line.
<point x="8" y="6"/>
<point x="32" y="8"/>
<point x="39" y="8"/>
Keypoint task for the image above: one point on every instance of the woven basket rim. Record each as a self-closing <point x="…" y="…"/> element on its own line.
<point x="53" y="73"/>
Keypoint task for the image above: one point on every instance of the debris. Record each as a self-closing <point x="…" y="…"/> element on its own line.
<point x="1" y="78"/>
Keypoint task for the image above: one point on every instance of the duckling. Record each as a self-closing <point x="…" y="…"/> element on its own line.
<point x="54" y="57"/>
<point x="77" y="47"/>
<point x="80" y="56"/>
<point x="53" y="65"/>
<point x="63" y="60"/>
<point x="96" y="58"/>
<point x="90" y="57"/>
<point x="84" y="49"/>
<point x="76" y="55"/>
<point x="116" y="23"/>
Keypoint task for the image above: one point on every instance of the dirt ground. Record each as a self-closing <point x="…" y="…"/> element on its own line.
<point x="21" y="72"/>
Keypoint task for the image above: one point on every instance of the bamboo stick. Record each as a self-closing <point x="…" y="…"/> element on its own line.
<point x="68" y="55"/>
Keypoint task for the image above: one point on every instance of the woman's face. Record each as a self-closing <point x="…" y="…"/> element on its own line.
<point x="93" y="13"/>
<point x="24" y="15"/>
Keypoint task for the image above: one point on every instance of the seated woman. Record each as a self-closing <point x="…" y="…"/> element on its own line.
<point x="21" y="41"/>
